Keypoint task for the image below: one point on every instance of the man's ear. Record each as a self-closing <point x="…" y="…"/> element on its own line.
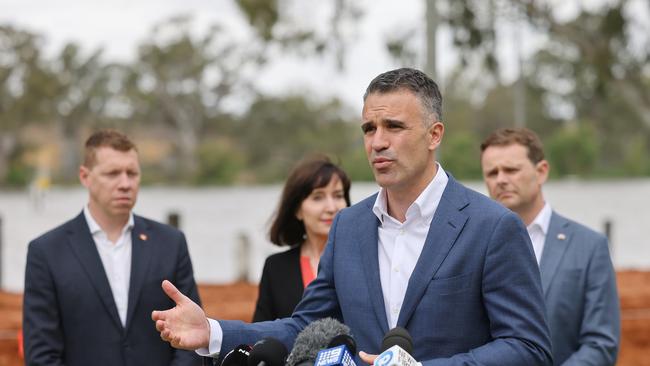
<point x="84" y="172"/>
<point x="542" y="168"/>
<point x="436" y="132"/>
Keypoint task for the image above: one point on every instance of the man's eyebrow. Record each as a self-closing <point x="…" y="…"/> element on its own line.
<point x="393" y="121"/>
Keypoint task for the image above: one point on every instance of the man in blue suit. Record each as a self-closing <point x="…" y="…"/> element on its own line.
<point x="454" y="268"/>
<point x="91" y="283"/>
<point x="578" y="278"/>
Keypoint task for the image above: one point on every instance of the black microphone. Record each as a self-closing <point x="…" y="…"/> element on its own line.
<point x="267" y="352"/>
<point x="396" y="348"/>
<point x="345" y="340"/>
<point x="238" y="356"/>
<point x="398" y="336"/>
<point x="312" y="339"/>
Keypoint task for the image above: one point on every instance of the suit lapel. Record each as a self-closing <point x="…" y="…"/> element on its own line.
<point x="445" y="227"/>
<point x="141" y="252"/>
<point x="83" y="246"/>
<point x="556" y="243"/>
<point x="369" y="240"/>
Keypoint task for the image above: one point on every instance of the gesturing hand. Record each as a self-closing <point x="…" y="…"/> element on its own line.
<point x="184" y="326"/>
<point x="367" y="358"/>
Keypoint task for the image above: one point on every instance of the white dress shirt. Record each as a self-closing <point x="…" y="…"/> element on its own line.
<point x="116" y="259"/>
<point x="537" y="230"/>
<point x="400" y="245"/>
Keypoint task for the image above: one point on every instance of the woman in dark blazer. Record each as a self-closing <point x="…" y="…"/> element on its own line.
<point x="314" y="193"/>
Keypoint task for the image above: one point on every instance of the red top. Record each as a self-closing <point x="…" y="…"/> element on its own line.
<point x="305" y="268"/>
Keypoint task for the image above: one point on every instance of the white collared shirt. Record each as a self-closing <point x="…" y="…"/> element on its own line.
<point x="400" y="244"/>
<point x="537" y="230"/>
<point x="116" y="259"/>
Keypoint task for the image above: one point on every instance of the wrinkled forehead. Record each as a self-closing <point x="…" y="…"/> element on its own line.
<point x="393" y="102"/>
<point x="106" y="155"/>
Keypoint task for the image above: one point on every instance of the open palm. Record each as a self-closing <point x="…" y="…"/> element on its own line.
<point x="184" y="326"/>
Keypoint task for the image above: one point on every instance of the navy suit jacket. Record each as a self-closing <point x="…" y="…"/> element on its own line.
<point x="69" y="315"/>
<point x="474" y="298"/>
<point x="579" y="285"/>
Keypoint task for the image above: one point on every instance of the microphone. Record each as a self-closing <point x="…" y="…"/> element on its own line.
<point x="238" y="356"/>
<point x="335" y="356"/>
<point x="340" y="352"/>
<point x="346" y="340"/>
<point x="267" y="352"/>
<point x="396" y="346"/>
<point x="398" y="336"/>
<point x="316" y="336"/>
<point x="395" y="356"/>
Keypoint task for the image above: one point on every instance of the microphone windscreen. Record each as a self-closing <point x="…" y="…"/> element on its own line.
<point x="346" y="340"/>
<point x="313" y="338"/>
<point x="268" y="350"/>
<point x="398" y="336"/>
<point x="238" y="356"/>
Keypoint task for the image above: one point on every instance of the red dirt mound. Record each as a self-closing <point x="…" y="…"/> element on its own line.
<point x="237" y="301"/>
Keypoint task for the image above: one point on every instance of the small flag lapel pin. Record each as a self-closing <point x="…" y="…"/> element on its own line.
<point x="143" y="237"/>
<point x="561" y="236"/>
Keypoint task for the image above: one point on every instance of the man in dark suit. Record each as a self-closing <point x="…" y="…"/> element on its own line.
<point x="578" y="278"/>
<point x="425" y="253"/>
<point x="91" y="283"/>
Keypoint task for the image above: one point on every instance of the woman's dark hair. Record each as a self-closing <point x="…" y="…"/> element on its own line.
<point x="309" y="174"/>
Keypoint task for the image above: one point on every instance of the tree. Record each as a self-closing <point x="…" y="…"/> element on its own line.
<point x="278" y="27"/>
<point x="22" y="100"/>
<point x="277" y="132"/>
<point x="595" y="67"/>
<point x="183" y="81"/>
<point x="78" y="96"/>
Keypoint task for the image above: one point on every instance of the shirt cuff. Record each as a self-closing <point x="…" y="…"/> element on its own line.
<point x="216" y="338"/>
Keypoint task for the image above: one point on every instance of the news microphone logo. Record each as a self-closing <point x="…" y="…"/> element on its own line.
<point x="337" y="356"/>
<point x="384" y="358"/>
<point x="395" y="356"/>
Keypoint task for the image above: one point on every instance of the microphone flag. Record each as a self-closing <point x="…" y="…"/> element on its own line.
<point x="395" y="356"/>
<point x="336" y="356"/>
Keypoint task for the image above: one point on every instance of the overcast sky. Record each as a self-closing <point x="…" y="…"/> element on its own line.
<point x="119" y="25"/>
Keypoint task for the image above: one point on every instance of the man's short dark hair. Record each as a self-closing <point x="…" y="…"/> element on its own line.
<point x="520" y="136"/>
<point x="414" y="80"/>
<point x="105" y="138"/>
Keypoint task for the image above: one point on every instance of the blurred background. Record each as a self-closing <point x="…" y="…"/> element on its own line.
<point x="224" y="96"/>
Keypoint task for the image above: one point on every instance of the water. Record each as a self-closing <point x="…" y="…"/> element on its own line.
<point x="214" y="219"/>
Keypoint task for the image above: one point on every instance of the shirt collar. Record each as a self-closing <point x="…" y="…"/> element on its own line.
<point x="543" y="219"/>
<point x="422" y="205"/>
<point x="94" y="226"/>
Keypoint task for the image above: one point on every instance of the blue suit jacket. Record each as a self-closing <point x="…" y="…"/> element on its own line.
<point x="474" y="297"/>
<point x="69" y="315"/>
<point x="579" y="285"/>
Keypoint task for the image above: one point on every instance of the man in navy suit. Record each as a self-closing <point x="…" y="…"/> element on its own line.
<point x="91" y="283"/>
<point x="578" y="278"/>
<point x="451" y="266"/>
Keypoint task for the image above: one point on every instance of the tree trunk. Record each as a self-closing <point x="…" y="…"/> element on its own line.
<point x="432" y="26"/>
<point x="7" y="146"/>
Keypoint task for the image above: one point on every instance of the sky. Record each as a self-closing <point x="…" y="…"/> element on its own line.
<point x="119" y="25"/>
